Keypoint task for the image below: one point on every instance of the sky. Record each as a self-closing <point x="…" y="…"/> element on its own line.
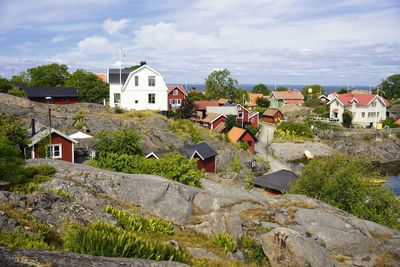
<point x="330" y="42"/>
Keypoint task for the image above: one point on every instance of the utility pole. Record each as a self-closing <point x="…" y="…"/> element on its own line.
<point x="48" y="98"/>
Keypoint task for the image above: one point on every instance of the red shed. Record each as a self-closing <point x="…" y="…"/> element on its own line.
<point x="242" y="135"/>
<point x="272" y="115"/>
<point x="176" y="95"/>
<point x="211" y="121"/>
<point x="53" y="95"/>
<point x="61" y="147"/>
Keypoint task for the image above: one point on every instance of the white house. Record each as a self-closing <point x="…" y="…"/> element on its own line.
<point x="140" y="89"/>
<point x="367" y="109"/>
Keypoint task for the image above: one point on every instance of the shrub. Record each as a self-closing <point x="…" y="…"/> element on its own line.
<point x="253" y="251"/>
<point x="11" y="163"/>
<point x="231" y="122"/>
<point x="326" y="126"/>
<point x="31" y="177"/>
<point x="367" y="137"/>
<point x="124" y="141"/>
<point x="245" y="146"/>
<point x="19" y="239"/>
<point x="290" y="130"/>
<point x="225" y="241"/>
<point x="17" y="92"/>
<point x="320" y="109"/>
<point x="345" y="182"/>
<point x="390" y="122"/>
<point x="235" y="165"/>
<point x="118" y="110"/>
<point x="252" y="130"/>
<point x="103" y="239"/>
<point x="184" y="126"/>
<point x="347" y="118"/>
<point x="141" y="224"/>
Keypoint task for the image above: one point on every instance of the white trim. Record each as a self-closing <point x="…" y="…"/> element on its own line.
<point x="52" y="151"/>
<point x="217" y="118"/>
<point x="152" y="154"/>
<point x="373" y="99"/>
<point x="131" y="74"/>
<point x="54" y="131"/>
<point x="73" y="154"/>
<point x="177" y="87"/>
<point x="195" y="152"/>
<point x="33" y="152"/>
<point x="255" y="113"/>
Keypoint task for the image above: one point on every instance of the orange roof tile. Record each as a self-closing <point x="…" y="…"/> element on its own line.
<point x="210" y="117"/>
<point x="203" y="104"/>
<point x="102" y="76"/>
<point x="398" y="122"/>
<point x="235" y="133"/>
<point x="222" y="101"/>
<point x="289" y="94"/>
<point x="253" y="99"/>
<point x="270" y="112"/>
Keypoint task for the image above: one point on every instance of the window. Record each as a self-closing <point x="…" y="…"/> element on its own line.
<point x="54" y="151"/>
<point x="249" y="143"/>
<point x="374" y="104"/>
<point x="117" y="98"/>
<point x="363" y="114"/>
<point x="152" y="80"/>
<point x="136" y="80"/>
<point x="377" y="114"/>
<point x="178" y="101"/>
<point x="136" y="101"/>
<point x="172" y="102"/>
<point x="152" y="98"/>
<point x="240" y="115"/>
<point x="252" y="120"/>
<point x="175" y="92"/>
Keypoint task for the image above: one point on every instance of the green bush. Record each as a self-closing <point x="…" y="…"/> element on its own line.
<point x="11" y="162"/>
<point x="118" y="110"/>
<point x="31" y="177"/>
<point x="252" y="130"/>
<point x="124" y="141"/>
<point x="390" y="122"/>
<point x="185" y="126"/>
<point x="322" y="125"/>
<point x="17" y="92"/>
<point x="347" y="183"/>
<point x="225" y="241"/>
<point x="173" y="166"/>
<point x="290" y="130"/>
<point x="253" y="251"/>
<point x="347" y="118"/>
<point x="367" y="137"/>
<point x="235" y="165"/>
<point x="103" y="239"/>
<point x="140" y="224"/>
<point x="19" y="239"/>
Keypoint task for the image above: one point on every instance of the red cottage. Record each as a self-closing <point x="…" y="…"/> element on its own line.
<point x="242" y="135"/>
<point x="213" y="121"/>
<point x="272" y="115"/>
<point x="176" y="95"/>
<point x="61" y="147"/>
<point x="53" y="95"/>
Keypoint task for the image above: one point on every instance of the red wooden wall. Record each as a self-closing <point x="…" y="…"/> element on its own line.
<point x="248" y="138"/>
<point x="56" y="100"/>
<point x="208" y="164"/>
<point x="66" y="147"/>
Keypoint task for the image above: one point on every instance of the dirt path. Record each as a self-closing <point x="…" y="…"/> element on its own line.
<point x="264" y="141"/>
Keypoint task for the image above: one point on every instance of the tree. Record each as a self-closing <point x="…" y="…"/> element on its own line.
<point x="48" y="75"/>
<point x="22" y="79"/>
<point x="124" y="141"/>
<point x="89" y="86"/>
<point x="220" y="84"/>
<point x="231" y="122"/>
<point x="316" y="89"/>
<point x="282" y="88"/>
<point x="5" y="85"/>
<point x="391" y="86"/>
<point x="261" y="89"/>
<point x="187" y="110"/>
<point x="263" y="102"/>
<point x="342" y="91"/>
<point x="347" y="118"/>
<point x="17" y="92"/>
<point x="11" y="162"/>
<point x="241" y="96"/>
<point x="346" y="183"/>
<point x="196" y="96"/>
<point x="13" y="129"/>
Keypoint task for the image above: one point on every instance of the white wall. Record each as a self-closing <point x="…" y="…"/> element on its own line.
<point x="136" y="97"/>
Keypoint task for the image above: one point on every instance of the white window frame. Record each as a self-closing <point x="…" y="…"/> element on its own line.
<point x="52" y="151"/>
<point x="172" y="102"/>
<point x="136" y="80"/>
<point x="151" y="100"/>
<point x="152" y="81"/>
<point x="175" y="92"/>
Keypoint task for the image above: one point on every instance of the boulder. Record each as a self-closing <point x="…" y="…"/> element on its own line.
<point x="286" y="247"/>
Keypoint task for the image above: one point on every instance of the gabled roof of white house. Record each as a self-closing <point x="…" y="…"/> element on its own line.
<point x="136" y="71"/>
<point x="360" y="99"/>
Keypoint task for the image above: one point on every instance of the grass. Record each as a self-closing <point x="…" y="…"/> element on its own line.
<point x="225" y="240"/>
<point x="386" y="259"/>
<point x="256" y="213"/>
<point x="61" y="192"/>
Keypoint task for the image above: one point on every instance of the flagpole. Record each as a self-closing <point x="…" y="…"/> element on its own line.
<point x="120" y="67"/>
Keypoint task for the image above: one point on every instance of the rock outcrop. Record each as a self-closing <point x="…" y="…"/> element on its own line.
<point x="299" y="228"/>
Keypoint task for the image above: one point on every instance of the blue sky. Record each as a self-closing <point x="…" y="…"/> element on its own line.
<point x="285" y="41"/>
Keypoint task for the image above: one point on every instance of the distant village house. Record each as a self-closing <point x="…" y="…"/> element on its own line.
<point x="242" y="135"/>
<point x="272" y="115"/>
<point x="53" y="95"/>
<point x="289" y="97"/>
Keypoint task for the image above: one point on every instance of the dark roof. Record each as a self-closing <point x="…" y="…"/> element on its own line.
<point x="202" y="148"/>
<point x="113" y="75"/>
<point x="50" y="91"/>
<point x="278" y="181"/>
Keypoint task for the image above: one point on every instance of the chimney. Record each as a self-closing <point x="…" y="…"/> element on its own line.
<point x="33" y="126"/>
<point x="143" y="63"/>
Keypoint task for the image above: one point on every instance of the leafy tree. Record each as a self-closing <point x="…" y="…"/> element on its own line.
<point x="346" y="183"/>
<point x="391" y="86"/>
<point x="11" y="162"/>
<point x="231" y="122"/>
<point x="316" y="89"/>
<point x="124" y="141"/>
<point x="342" y="91"/>
<point x="89" y="86"/>
<point x="282" y="88"/>
<point x="196" y="96"/>
<point x="220" y="84"/>
<point x="347" y="118"/>
<point x="17" y="92"/>
<point x="263" y="102"/>
<point x="261" y="89"/>
<point x="390" y="122"/>
<point x="252" y="130"/>
<point x="12" y="129"/>
<point x="5" y="85"/>
<point x="134" y="67"/>
<point x="22" y="79"/>
<point x="241" y="96"/>
<point x="48" y="75"/>
<point x="187" y="110"/>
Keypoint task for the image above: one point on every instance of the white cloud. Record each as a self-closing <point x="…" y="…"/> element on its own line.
<point x="115" y="26"/>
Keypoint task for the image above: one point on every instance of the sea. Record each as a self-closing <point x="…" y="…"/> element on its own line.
<point x="328" y="88"/>
<point x="392" y="170"/>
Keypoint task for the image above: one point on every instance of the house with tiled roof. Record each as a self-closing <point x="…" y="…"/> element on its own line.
<point x="243" y="115"/>
<point x="176" y="95"/>
<point x="237" y="134"/>
<point x="53" y="95"/>
<point x="367" y="109"/>
<point x="289" y="97"/>
<point x="212" y="121"/>
<point x="272" y="115"/>
<point x="252" y="101"/>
